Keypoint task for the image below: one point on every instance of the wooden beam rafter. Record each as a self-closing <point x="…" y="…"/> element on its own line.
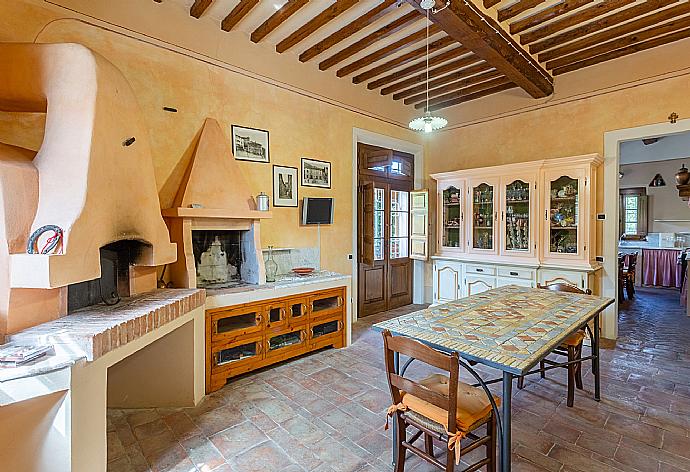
<point x="361" y="22"/>
<point x="547" y="14"/>
<point x="386" y="51"/>
<point x="419" y="66"/>
<point x="326" y="16"/>
<point x="481" y="34"/>
<point x="405" y="59"/>
<point x="491" y="3"/>
<point x="199" y="7"/>
<point x="620" y="43"/>
<point x="433" y="73"/>
<point x="465" y="92"/>
<point x="370" y="39"/>
<point x="446" y="79"/>
<point x="473" y="96"/>
<point x="235" y="16"/>
<point x="451" y="87"/>
<point x="515" y="9"/>
<point x="649" y="44"/>
<point x="277" y="19"/>
<point x="593" y="26"/>
<point x="616" y="32"/>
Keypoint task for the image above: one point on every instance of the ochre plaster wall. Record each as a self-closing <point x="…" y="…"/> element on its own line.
<point x="299" y="126"/>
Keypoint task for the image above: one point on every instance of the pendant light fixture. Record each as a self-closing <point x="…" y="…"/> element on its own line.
<point x="427" y="122"/>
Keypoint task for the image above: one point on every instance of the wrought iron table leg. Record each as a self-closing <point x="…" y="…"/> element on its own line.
<point x="595" y="361"/>
<point x="505" y="421"/>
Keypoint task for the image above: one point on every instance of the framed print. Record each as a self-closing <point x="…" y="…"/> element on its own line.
<point x="249" y="144"/>
<point x="284" y="186"/>
<point x="316" y="173"/>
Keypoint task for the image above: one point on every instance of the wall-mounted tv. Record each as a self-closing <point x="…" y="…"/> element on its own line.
<point x="317" y="211"/>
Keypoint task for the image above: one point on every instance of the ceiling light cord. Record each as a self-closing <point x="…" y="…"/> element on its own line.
<point x="427" y="62"/>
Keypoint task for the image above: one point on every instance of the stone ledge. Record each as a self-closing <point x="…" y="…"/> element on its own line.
<point x="99" y="329"/>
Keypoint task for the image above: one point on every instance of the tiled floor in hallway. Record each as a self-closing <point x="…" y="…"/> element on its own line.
<point x="326" y="412"/>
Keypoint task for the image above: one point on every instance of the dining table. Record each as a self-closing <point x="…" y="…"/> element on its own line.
<point x="509" y="329"/>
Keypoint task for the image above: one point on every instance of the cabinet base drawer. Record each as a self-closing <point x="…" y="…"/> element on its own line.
<point x="480" y="269"/>
<point x="517" y="272"/>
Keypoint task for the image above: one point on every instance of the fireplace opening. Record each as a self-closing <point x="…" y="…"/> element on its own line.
<point x="218" y="257"/>
<point x="114" y="282"/>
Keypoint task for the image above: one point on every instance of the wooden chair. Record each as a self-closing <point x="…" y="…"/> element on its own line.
<point x="629" y="268"/>
<point x="570" y="347"/>
<point x="440" y="407"/>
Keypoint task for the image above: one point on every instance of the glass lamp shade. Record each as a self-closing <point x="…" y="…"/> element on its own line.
<point x="428" y="123"/>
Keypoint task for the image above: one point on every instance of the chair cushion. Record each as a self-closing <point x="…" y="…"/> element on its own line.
<point x="574" y="339"/>
<point x="473" y="405"/>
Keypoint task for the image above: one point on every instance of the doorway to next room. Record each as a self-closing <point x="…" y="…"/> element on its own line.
<point x="385" y="179"/>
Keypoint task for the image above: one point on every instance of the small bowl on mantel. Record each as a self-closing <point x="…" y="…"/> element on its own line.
<point x="303" y="271"/>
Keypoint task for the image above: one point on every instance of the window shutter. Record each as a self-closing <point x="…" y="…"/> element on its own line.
<point x="366" y="252"/>
<point x="419" y="225"/>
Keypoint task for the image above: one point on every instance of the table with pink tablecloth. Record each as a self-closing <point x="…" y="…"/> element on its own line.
<point x="660" y="267"/>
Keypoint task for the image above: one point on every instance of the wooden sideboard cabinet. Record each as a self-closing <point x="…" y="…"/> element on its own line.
<point x="246" y="337"/>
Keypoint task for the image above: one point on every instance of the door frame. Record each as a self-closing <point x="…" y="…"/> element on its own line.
<point x="612" y="140"/>
<point x="420" y="293"/>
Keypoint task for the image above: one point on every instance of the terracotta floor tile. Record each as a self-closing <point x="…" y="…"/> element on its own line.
<point x="237" y="439"/>
<point x="264" y="457"/>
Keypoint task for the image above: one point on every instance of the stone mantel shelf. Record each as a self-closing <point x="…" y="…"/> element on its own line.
<point x="94" y="331"/>
<point x="222" y="213"/>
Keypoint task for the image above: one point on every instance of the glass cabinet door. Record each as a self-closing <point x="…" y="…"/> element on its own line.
<point x="483" y="217"/>
<point x="451" y="234"/>
<point x="517" y="213"/>
<point x="564" y="217"/>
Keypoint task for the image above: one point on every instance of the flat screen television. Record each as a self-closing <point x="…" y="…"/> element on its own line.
<point x="317" y="211"/>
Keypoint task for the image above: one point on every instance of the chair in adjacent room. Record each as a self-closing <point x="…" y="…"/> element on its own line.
<point x="440" y="407"/>
<point x="571" y="347"/>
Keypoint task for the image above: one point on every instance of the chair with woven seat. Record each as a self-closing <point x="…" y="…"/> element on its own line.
<point x="571" y="347"/>
<point x="440" y="407"/>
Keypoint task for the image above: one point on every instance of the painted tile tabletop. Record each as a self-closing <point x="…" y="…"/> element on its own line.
<point x="509" y="328"/>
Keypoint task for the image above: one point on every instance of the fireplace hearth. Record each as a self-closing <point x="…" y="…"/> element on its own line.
<point x="218" y="258"/>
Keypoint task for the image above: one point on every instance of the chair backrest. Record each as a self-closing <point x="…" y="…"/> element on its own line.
<point x="420" y="352"/>
<point x="631" y="261"/>
<point x="564" y="287"/>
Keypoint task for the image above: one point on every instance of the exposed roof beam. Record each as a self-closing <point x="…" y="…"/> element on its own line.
<point x="652" y="43"/>
<point x="515" y="9"/>
<point x="547" y="14"/>
<point x="617" y="32"/>
<point x="329" y="14"/>
<point x="240" y="11"/>
<point x="594" y="26"/>
<point x="419" y="66"/>
<point x="370" y="39"/>
<point x="483" y="35"/>
<point x="465" y="92"/>
<point x="621" y="41"/>
<point x="461" y="84"/>
<point x="346" y="31"/>
<point x="404" y="59"/>
<point x="433" y="73"/>
<point x="386" y="50"/>
<point x="491" y="3"/>
<point x="199" y="7"/>
<point x="473" y="96"/>
<point x="277" y="19"/>
<point x="464" y="74"/>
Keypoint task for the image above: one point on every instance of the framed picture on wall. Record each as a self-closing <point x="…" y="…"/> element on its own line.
<point x="316" y="173"/>
<point x="284" y="186"/>
<point x="249" y="144"/>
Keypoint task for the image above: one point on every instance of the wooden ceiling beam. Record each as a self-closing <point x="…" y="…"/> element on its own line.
<point x="277" y="19"/>
<point x="419" y="66"/>
<point x="649" y="44"/>
<point x="617" y="32"/>
<point x="593" y="26"/>
<point x="491" y="3"/>
<point x="621" y="42"/>
<point x="237" y="14"/>
<point x="323" y="18"/>
<point x="473" y="96"/>
<point x="199" y="7"/>
<point x="361" y="22"/>
<point x="515" y="9"/>
<point x="405" y="59"/>
<point x="365" y="42"/>
<point x="465" y="92"/>
<point x="483" y="35"/>
<point x="461" y="84"/>
<point x="446" y="79"/>
<point x="392" y="48"/>
<point x="433" y="73"/>
<point x="547" y="14"/>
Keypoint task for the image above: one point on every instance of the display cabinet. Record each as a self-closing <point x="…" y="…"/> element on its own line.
<point x="483" y="193"/>
<point x="519" y="203"/>
<point x="447" y="277"/>
<point x="451" y="215"/>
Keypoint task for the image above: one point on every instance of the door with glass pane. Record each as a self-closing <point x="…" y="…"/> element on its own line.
<point x="483" y="211"/>
<point x="565" y="207"/>
<point x="399" y="262"/>
<point x="517" y="220"/>
<point x="451" y="215"/>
